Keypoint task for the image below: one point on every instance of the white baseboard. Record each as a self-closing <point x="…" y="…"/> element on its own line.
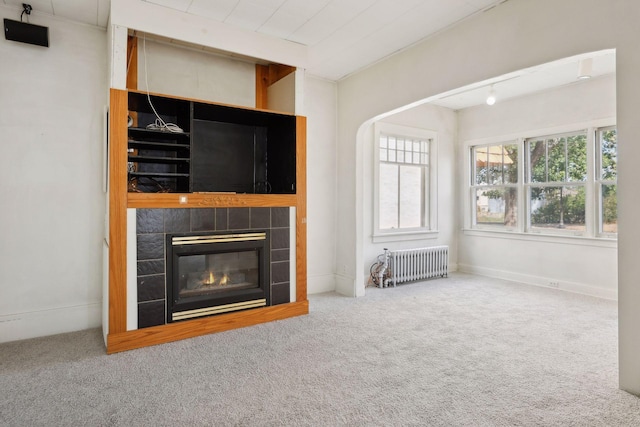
<point x="53" y="321"/>
<point x="546" y="282"/>
<point x="345" y="285"/>
<point x="319" y="284"/>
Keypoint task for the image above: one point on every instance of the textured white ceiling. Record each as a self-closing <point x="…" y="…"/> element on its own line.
<point x="92" y="12"/>
<point x="345" y="36"/>
<point x="342" y="36"/>
<point x="536" y="79"/>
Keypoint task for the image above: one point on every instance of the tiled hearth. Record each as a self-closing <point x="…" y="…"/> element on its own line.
<point x="152" y="225"/>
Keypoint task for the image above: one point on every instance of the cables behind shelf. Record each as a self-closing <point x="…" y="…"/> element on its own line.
<point x="159" y="123"/>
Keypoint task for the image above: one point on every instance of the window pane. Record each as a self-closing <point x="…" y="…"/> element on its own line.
<point x="388" y="198"/>
<point x="609" y="209"/>
<point x="480" y="161"/>
<point x="495" y="165"/>
<point x="383" y="154"/>
<point x="510" y="167"/>
<point x="400" y="156"/>
<point x="392" y="155"/>
<point x="577" y="158"/>
<point x="408" y="157"/>
<point x="392" y="142"/>
<point x="561" y="207"/>
<point x="410" y="196"/>
<point x="538" y="161"/>
<point x="609" y="154"/>
<point x="383" y="141"/>
<point x="556" y="160"/>
<point x="497" y="206"/>
<point x="400" y="144"/>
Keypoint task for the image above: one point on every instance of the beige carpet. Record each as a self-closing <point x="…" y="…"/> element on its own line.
<point x="461" y="351"/>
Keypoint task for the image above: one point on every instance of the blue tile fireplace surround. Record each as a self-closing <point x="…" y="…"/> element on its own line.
<point x="153" y="225"/>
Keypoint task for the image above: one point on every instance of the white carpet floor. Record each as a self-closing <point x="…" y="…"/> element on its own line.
<point x="460" y="351"/>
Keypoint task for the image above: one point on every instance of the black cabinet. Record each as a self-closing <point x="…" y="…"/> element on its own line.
<point x="183" y="146"/>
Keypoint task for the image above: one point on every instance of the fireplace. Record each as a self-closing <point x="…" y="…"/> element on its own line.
<point x="216" y="273"/>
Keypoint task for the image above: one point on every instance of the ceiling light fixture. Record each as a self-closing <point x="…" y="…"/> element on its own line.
<point x="585" y="68"/>
<point x="491" y="99"/>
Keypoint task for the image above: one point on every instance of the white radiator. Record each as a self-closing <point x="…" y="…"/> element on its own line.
<point x="408" y="265"/>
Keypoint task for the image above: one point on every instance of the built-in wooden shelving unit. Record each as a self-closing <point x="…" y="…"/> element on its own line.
<point x="128" y="146"/>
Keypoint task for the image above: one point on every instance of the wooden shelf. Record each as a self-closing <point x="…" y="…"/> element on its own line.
<point x="209" y="200"/>
<point x="152" y="145"/>
<point x="157" y="134"/>
<point x="157" y="159"/>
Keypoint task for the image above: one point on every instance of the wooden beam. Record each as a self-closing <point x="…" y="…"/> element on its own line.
<point x="266" y="75"/>
<point x="118" y="211"/>
<point x="129" y="340"/>
<point x="301" y="208"/>
<point x="132" y="63"/>
<point x="278" y="72"/>
<point x="262" y="84"/>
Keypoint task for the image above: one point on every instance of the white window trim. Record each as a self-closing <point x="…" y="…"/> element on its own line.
<point x="521" y="231"/>
<point x="588" y="185"/>
<point x="598" y="183"/>
<point x="473" y="186"/>
<point x="430" y="230"/>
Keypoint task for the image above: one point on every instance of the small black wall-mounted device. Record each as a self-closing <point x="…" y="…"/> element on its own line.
<point x="26" y="33"/>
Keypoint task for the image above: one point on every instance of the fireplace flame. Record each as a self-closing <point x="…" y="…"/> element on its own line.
<point x="211" y="279"/>
<point x="224" y="280"/>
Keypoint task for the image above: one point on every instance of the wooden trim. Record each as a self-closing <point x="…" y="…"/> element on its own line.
<point x="144" y="337"/>
<point x="222" y="104"/>
<point x="209" y="200"/>
<point x="118" y="211"/>
<point x="132" y="62"/>
<point x="262" y="84"/>
<point x="301" y="208"/>
<point x="266" y="75"/>
<point x="119" y="339"/>
<point x="279" y="72"/>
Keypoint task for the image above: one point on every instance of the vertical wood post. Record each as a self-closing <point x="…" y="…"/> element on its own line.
<point x="118" y="211"/>
<point x="132" y="63"/>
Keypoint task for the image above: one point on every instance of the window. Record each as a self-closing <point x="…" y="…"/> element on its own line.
<point x="403" y="180"/>
<point x="606" y="179"/>
<point x="554" y="184"/>
<point x="494" y="186"/>
<point x="557" y="167"/>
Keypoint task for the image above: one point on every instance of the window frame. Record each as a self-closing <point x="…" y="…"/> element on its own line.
<point x="475" y="187"/>
<point x="428" y="180"/>
<point x="600" y="182"/>
<point x="529" y="184"/>
<point x="593" y="202"/>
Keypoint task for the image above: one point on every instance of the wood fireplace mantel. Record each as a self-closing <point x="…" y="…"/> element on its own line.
<point x="118" y="338"/>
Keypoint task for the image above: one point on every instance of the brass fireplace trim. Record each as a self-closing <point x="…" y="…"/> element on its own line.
<point x="188" y="314"/>
<point x="217" y="238"/>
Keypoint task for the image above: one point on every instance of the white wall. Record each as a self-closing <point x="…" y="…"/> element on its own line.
<point x="281" y="96"/>
<point x="179" y="71"/>
<point x="515" y="35"/>
<point x="444" y="122"/>
<point x="52" y="104"/>
<point x="577" y="264"/>
<point x="320" y="107"/>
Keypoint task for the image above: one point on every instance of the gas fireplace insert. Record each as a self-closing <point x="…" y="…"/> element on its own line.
<point x="214" y="273"/>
